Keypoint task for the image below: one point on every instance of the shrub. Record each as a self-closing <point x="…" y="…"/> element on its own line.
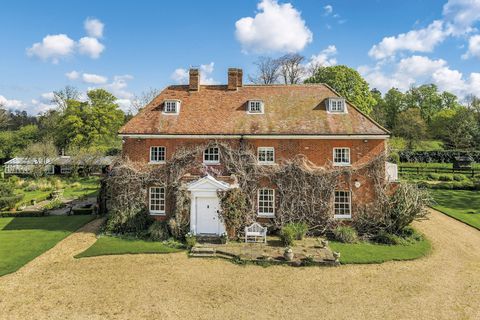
<point x="445" y="177"/>
<point x="394" y="157"/>
<point x="158" y="231"/>
<point x="82" y="211"/>
<point x="433" y="176"/>
<point x="301" y="230"/>
<point x="32" y="187"/>
<point x="345" y="234"/>
<point x="387" y="238"/>
<point x="393" y="213"/>
<point x="177" y="230"/>
<point x="190" y="240"/>
<point x="9" y="202"/>
<point x="6" y="214"/>
<point x="55" y="204"/>
<point x="128" y="221"/>
<point x="288" y="234"/>
<point x="460" y="177"/>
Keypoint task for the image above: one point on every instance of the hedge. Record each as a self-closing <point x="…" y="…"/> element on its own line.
<point x="10" y="201"/>
<point x="10" y="214"/>
<point x="442" y="156"/>
<point x="81" y="211"/>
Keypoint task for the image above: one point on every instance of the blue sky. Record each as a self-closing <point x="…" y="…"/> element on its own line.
<point x="131" y="46"/>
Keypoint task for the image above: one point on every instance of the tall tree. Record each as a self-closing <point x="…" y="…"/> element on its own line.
<point x="291" y="68"/>
<point x="348" y="83"/>
<point x="267" y="71"/>
<point x="91" y="123"/>
<point x="457" y="127"/>
<point x="141" y="100"/>
<point x="411" y="126"/>
<point x="40" y="153"/>
<point x="61" y="97"/>
<point x="379" y="112"/>
<point x="394" y="104"/>
<point x="4" y="118"/>
<point x="426" y="98"/>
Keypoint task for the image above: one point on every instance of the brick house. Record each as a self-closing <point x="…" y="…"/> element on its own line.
<point x="279" y="122"/>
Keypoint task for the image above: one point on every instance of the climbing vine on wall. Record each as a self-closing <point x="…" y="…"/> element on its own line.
<point x="304" y="191"/>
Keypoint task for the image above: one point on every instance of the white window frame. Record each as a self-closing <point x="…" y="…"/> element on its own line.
<point x="161" y="210"/>
<point x="333" y="105"/>
<point x="167" y="104"/>
<point x="342" y="216"/>
<point x="252" y="103"/>
<point x="260" y="211"/>
<point x="210" y="162"/>
<point x="342" y="164"/>
<point x="266" y="150"/>
<point x="158" y="153"/>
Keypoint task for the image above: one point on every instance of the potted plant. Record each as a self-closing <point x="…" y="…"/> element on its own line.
<point x="224" y="238"/>
<point x="288" y="254"/>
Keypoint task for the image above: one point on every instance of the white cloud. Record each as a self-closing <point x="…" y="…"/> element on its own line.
<point x="59" y="46"/>
<point x="180" y="75"/>
<point x="461" y="15"/>
<point x="53" y="47"/>
<point x="417" y="70"/>
<point x="125" y="104"/>
<point x="119" y="85"/>
<point x="275" y="28"/>
<point x="72" y="75"/>
<point x="93" y="78"/>
<point x="47" y="96"/>
<point x="328" y="9"/>
<point x="91" y="47"/>
<point x="473" y="47"/>
<point x="93" y="27"/>
<point x="11" y="103"/>
<point x="422" y="40"/>
<point x="325" y="58"/>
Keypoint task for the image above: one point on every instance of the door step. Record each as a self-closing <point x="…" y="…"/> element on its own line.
<point x="208" y="238"/>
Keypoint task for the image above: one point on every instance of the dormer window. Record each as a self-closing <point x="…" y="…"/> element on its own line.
<point x="171" y="106"/>
<point x="336" y="105"/>
<point x="255" y="107"/>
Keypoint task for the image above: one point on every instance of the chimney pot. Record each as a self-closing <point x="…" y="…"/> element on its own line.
<point x="194" y="80"/>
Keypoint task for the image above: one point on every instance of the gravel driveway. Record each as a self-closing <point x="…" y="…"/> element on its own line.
<point x="444" y="285"/>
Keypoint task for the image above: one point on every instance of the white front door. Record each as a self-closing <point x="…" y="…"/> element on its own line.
<point x="207" y="215"/>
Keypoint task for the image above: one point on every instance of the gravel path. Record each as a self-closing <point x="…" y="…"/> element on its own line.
<point x="444" y="285"/>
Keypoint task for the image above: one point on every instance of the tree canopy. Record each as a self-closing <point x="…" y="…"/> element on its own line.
<point x="348" y="83"/>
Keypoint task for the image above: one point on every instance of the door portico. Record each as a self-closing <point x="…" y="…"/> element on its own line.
<point x="205" y="206"/>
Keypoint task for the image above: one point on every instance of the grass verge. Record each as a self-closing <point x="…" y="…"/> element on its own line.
<point x="364" y="252"/>
<point x="24" y="239"/>
<point x="462" y="205"/>
<point x="107" y="245"/>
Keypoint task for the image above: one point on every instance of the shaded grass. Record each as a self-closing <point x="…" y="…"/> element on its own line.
<point x="24" y="239"/>
<point x="107" y="245"/>
<point x="365" y="252"/>
<point x="462" y="205"/>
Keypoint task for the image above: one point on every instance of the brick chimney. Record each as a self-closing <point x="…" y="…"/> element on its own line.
<point x="235" y="78"/>
<point x="194" y="81"/>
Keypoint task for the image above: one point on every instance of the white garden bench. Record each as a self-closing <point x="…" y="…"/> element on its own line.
<point x="254" y="232"/>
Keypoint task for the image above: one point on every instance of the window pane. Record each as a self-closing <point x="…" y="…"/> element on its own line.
<point x="266" y="201"/>
<point x="342" y="203"/>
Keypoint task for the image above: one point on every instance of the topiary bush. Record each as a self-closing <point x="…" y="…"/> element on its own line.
<point x="345" y="234"/>
<point x="158" y="231"/>
<point x="288" y="234"/>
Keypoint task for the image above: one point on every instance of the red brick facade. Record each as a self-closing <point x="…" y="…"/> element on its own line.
<point x="318" y="151"/>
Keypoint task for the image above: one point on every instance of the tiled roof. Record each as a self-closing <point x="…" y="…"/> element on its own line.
<point x="289" y="110"/>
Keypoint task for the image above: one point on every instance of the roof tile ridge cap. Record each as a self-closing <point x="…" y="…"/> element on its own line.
<point x="360" y="111"/>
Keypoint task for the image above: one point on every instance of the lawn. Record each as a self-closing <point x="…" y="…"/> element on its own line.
<point x="23" y="239"/>
<point x="377" y="253"/>
<point x="107" y="245"/>
<point x="40" y="189"/>
<point x="462" y="205"/>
